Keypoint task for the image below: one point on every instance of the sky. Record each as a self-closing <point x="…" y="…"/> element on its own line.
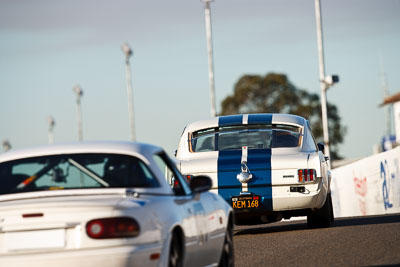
<point x="49" y="46"/>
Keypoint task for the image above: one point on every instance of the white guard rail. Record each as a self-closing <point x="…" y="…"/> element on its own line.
<point x="369" y="186"/>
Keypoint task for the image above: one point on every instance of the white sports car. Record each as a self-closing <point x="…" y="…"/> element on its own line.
<point x="108" y="204"/>
<point x="267" y="166"/>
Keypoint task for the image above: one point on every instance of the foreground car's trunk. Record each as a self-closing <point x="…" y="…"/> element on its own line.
<point x="58" y="222"/>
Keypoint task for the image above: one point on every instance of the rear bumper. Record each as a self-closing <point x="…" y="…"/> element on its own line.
<point x="283" y="198"/>
<point x="98" y="257"/>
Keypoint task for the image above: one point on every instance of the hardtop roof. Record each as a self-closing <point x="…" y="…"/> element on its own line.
<point x="112" y="147"/>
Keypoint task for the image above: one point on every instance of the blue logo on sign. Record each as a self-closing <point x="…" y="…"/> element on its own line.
<point x="385" y="191"/>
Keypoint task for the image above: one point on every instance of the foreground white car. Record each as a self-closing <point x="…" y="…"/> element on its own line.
<point x="108" y="204"/>
<point x="267" y="166"/>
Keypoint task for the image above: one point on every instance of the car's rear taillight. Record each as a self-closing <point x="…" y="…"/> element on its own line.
<point x="116" y="227"/>
<point x="307" y="175"/>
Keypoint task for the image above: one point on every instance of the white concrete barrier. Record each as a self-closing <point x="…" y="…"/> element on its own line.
<point x="369" y="186"/>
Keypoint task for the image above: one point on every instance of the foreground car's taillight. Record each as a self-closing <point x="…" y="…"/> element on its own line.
<point x="112" y="228"/>
<point x="307" y="175"/>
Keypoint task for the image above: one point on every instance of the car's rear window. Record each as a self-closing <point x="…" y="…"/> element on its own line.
<point x="72" y="171"/>
<point x="252" y="136"/>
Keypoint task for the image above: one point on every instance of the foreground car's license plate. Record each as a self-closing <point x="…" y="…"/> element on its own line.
<point x="41" y="239"/>
<point x="246" y="202"/>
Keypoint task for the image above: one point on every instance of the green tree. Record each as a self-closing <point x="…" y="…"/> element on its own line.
<point x="274" y="93"/>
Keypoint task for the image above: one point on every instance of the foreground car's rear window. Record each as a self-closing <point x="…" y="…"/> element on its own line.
<point x="74" y="171"/>
<point x="252" y="136"/>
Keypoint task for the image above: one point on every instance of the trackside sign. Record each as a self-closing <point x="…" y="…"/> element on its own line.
<point x="370" y="186"/>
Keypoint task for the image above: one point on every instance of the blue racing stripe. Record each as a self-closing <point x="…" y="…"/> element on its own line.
<point x="259" y="163"/>
<point x="260" y="119"/>
<point x="229" y="165"/>
<point x="230" y="120"/>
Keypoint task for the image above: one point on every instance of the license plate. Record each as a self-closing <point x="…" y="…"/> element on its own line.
<point x="32" y="240"/>
<point x="246" y="202"/>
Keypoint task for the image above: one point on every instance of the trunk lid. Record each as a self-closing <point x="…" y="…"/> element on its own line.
<point x="48" y="222"/>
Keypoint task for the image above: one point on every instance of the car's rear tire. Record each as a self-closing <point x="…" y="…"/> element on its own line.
<point x="322" y="217"/>
<point x="175" y="258"/>
<point x="227" y="258"/>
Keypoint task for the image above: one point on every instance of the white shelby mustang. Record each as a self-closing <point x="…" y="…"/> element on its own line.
<point x="108" y="204"/>
<point x="267" y="166"/>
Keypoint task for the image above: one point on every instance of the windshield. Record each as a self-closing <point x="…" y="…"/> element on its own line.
<point x="74" y="171"/>
<point x="252" y="136"/>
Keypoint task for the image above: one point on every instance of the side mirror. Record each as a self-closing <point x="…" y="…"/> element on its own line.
<point x="321" y="147"/>
<point x="200" y="184"/>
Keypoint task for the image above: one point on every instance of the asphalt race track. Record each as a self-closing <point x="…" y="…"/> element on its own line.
<point x="353" y="241"/>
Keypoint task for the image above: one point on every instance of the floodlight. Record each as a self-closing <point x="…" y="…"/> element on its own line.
<point x="331" y="80"/>
<point x="126" y="49"/>
<point x="78" y="90"/>
<point x="51" y="121"/>
<point x="6" y="145"/>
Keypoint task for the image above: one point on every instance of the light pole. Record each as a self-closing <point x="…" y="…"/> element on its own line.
<point x="6" y="145"/>
<point x="52" y="123"/>
<point x="128" y="53"/>
<point x="210" y="56"/>
<point x="79" y="93"/>
<point x="325" y="82"/>
<point x="385" y="95"/>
